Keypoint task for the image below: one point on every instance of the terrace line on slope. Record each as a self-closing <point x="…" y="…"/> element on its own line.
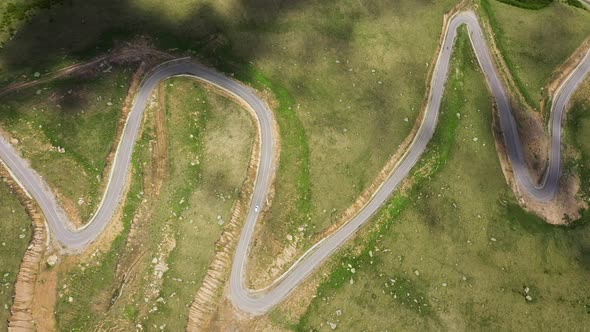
<point x="260" y="302"/>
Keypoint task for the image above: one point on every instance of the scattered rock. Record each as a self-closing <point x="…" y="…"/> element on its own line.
<point x="70" y="299"/>
<point x="338" y="312"/>
<point x="406" y="119"/>
<point x="444" y="284"/>
<point x="14" y="141"/>
<point x="289" y="237"/>
<point x="417" y="273"/>
<point x="37" y="74"/>
<point x="475" y="139"/>
<point x="332" y="325"/>
<point x="160" y="269"/>
<point x="528" y="298"/>
<point x="52" y="260"/>
<point x="493" y="239"/>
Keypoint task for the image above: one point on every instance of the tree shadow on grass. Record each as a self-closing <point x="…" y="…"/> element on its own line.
<point x="78" y="29"/>
<point x="52" y="33"/>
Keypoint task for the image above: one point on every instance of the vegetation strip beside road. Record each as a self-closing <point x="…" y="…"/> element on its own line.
<point x="15" y="234"/>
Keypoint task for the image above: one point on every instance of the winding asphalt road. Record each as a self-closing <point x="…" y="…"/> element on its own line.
<point x="258" y="302"/>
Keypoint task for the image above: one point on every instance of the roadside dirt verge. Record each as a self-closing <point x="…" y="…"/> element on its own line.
<point x="21" y="317"/>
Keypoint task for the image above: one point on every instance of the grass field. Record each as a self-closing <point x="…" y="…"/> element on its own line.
<point x="89" y="284"/>
<point x="457" y="252"/>
<point x="77" y="114"/>
<point x="209" y="144"/>
<point x="528" y="4"/>
<point x="226" y="145"/>
<point x="15" y="233"/>
<point x="348" y="80"/>
<point x="578" y="136"/>
<point x="535" y="42"/>
<point x="346" y="106"/>
<point x="355" y="105"/>
<point x="581" y="115"/>
<point x="321" y="113"/>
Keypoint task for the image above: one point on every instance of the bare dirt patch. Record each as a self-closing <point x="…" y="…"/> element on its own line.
<point x="45" y="297"/>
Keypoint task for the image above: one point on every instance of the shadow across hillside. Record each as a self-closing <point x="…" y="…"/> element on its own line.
<point x="56" y="29"/>
<point x="51" y="33"/>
